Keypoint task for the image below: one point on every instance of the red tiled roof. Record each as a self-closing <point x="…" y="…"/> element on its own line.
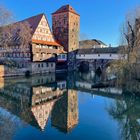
<point x="66" y="8"/>
<point x="46" y="42"/>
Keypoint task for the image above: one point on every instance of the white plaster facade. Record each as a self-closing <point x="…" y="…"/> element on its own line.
<point x="107" y="56"/>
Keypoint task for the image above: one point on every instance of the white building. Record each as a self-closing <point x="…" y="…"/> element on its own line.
<point x="109" y="53"/>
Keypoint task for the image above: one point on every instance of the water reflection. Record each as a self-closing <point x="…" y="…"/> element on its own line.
<point x="67" y="106"/>
<point x="126" y="112"/>
<point x="36" y="100"/>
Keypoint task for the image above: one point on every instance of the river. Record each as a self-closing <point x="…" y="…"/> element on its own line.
<point x="66" y="107"/>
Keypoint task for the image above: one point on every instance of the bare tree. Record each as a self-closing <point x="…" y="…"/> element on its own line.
<point x="13" y="34"/>
<point x="130" y="34"/>
<point x="125" y="111"/>
<point x="128" y="70"/>
<point x="6" y="16"/>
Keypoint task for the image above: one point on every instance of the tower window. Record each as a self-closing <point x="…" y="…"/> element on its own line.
<point x="47" y="65"/>
<point x="64" y="21"/>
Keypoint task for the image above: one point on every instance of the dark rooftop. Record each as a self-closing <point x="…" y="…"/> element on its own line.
<point x="90" y="43"/>
<point x="65" y="8"/>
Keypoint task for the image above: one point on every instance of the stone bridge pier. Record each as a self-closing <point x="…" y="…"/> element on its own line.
<point x="94" y="64"/>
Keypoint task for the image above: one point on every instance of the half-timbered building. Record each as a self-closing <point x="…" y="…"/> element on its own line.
<point x="40" y="55"/>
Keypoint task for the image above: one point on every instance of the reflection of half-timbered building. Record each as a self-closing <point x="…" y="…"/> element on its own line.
<point x="41" y="113"/>
<point x="31" y="99"/>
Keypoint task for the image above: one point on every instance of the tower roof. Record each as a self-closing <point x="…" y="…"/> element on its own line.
<point x="66" y="8"/>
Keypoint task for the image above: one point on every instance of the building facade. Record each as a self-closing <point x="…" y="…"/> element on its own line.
<point x="66" y="26"/>
<point x="48" y="50"/>
<point x="40" y="56"/>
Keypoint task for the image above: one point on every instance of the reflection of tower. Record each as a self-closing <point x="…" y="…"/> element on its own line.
<point x="66" y="30"/>
<point x="1" y="82"/>
<point x="65" y="112"/>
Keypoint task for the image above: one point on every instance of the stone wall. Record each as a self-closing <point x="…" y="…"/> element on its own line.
<point x="74" y="28"/>
<point x="60" y="28"/>
<point x="34" y="68"/>
<point x="10" y="71"/>
<point x="42" y="67"/>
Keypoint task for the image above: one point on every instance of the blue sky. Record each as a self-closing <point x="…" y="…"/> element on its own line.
<point x="100" y="19"/>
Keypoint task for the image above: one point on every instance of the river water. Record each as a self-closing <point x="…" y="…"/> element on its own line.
<point x="66" y="107"/>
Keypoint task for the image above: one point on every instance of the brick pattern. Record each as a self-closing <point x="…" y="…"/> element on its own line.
<point x="66" y="26"/>
<point x="60" y="28"/>
<point x="67" y="106"/>
<point x="66" y="30"/>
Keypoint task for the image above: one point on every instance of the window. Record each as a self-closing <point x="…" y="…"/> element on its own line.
<point x="46" y="64"/>
<point x="42" y="65"/>
<point x="64" y="21"/>
<point x="43" y="54"/>
<point x="63" y="56"/>
<point x="37" y="54"/>
<point x="17" y="54"/>
<point x="39" y="65"/>
<point x="22" y="65"/>
<point x="59" y="56"/>
<point x="51" y="64"/>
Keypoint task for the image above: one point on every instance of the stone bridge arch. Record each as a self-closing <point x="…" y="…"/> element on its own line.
<point x="83" y="66"/>
<point x="94" y="64"/>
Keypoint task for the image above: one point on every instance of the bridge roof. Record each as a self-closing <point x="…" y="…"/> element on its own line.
<point x="99" y="50"/>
